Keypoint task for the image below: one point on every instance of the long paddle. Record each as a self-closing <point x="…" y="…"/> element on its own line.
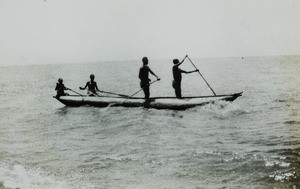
<point x="96" y="94"/>
<point x="88" y="94"/>
<point x="114" y="93"/>
<point x="143" y="88"/>
<point x="75" y="92"/>
<point x="201" y="75"/>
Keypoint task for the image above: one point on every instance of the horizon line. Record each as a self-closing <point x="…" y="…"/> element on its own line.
<point x="154" y="59"/>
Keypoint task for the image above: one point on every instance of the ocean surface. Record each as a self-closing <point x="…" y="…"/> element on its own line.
<point x="253" y="142"/>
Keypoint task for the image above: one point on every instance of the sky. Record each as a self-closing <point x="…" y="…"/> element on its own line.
<point x="78" y="31"/>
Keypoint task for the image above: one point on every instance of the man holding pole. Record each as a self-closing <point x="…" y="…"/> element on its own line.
<point x="144" y="77"/>
<point x="177" y="76"/>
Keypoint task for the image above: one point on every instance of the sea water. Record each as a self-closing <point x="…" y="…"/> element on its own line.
<point x="253" y="142"/>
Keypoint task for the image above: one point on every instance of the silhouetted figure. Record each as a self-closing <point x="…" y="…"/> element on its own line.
<point x="144" y="77"/>
<point x="178" y="77"/>
<point x="60" y="88"/>
<point x="92" y="86"/>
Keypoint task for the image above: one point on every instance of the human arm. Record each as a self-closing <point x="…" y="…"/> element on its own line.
<point x="187" y="72"/>
<point x="179" y="63"/>
<point x="140" y="74"/>
<point x="96" y="87"/>
<point x="83" y="88"/>
<point x="153" y="74"/>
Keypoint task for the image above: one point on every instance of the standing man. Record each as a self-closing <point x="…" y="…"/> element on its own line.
<point x="177" y="76"/>
<point x="92" y="86"/>
<point x="144" y="77"/>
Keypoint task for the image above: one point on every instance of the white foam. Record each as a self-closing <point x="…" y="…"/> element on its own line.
<point x="284" y="164"/>
<point x="223" y="109"/>
<point x="269" y="163"/>
<point x="17" y="176"/>
<point x="281" y="177"/>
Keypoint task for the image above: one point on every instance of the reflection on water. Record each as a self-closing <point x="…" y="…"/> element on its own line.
<point x="63" y="110"/>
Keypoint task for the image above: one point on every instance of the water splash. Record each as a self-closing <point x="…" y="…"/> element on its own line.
<point x="279" y="176"/>
<point x="223" y="109"/>
<point x="17" y="176"/>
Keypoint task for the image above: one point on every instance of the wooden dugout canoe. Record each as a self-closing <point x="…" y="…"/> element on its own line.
<point x="154" y="102"/>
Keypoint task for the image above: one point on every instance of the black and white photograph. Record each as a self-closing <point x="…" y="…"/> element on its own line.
<point x="149" y="94"/>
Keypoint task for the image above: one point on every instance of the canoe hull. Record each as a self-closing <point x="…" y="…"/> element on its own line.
<point x="157" y="103"/>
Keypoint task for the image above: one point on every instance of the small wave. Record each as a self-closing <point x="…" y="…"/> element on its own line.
<point x="223" y="109"/>
<point x="284" y="164"/>
<point x="281" y="100"/>
<point x="118" y="159"/>
<point x="278" y="176"/>
<point x="292" y="122"/>
<point x="272" y="163"/>
<point x="17" y="176"/>
<point x="213" y="153"/>
<point x="235" y="159"/>
<point x="289" y="100"/>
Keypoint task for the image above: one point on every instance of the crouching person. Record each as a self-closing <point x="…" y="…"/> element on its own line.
<point x="60" y="89"/>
